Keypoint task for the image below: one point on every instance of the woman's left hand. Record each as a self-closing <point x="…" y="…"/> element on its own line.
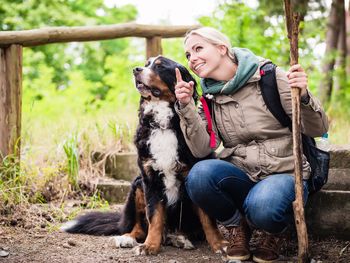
<point x="298" y="79"/>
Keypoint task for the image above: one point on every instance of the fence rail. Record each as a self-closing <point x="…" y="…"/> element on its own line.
<point x="35" y="37"/>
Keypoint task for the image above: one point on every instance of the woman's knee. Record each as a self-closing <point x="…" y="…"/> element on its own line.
<point x="199" y="177"/>
<point x="269" y="204"/>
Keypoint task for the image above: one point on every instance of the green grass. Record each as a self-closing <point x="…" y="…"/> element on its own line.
<point x="12" y="183"/>
<point x="71" y="150"/>
<point x="55" y="157"/>
<point x="339" y="130"/>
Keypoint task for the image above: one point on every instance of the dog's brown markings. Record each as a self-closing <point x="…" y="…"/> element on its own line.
<point x="155" y="231"/>
<point x="212" y="234"/>
<point x="137" y="231"/>
<point x="158" y="62"/>
<point x="182" y="169"/>
<point x="147" y="166"/>
<point x="166" y="95"/>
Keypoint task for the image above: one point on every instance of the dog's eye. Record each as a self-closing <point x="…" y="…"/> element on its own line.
<point x="147" y="63"/>
<point x="158" y="66"/>
<point x="156" y="92"/>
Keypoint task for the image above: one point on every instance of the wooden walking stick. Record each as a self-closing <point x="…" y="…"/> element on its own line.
<point x="292" y="23"/>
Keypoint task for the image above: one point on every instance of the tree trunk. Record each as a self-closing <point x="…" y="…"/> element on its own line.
<point x="341" y="59"/>
<point x="332" y="36"/>
<point x="347" y="25"/>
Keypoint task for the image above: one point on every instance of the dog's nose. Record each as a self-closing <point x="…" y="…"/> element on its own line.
<point x="137" y="70"/>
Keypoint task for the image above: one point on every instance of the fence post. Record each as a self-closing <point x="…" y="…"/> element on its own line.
<point x="153" y="46"/>
<point x="10" y="99"/>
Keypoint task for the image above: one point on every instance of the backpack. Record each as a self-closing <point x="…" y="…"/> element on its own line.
<point x="317" y="158"/>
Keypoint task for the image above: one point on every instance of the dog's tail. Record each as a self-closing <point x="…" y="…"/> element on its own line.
<point x="95" y="223"/>
<point x="108" y="223"/>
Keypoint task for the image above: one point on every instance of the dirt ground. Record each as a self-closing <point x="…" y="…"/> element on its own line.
<point x="42" y="243"/>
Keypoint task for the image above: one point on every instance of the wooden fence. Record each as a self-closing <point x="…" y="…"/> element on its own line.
<point x="12" y="42"/>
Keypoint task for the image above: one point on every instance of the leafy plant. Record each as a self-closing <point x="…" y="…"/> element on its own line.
<point x="71" y="150"/>
<point x="12" y="182"/>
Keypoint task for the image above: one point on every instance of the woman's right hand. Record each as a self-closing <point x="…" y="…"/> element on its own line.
<point x="183" y="89"/>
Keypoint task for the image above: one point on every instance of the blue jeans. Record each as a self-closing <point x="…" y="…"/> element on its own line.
<point x="225" y="193"/>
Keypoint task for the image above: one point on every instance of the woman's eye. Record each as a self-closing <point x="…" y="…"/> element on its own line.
<point x="188" y="56"/>
<point x="198" y="49"/>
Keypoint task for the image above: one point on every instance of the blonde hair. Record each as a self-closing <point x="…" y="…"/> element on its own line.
<point x="213" y="36"/>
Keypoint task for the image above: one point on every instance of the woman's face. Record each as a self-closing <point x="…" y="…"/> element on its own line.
<point x="204" y="58"/>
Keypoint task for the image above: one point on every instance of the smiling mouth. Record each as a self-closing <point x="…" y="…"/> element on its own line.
<point x="198" y="66"/>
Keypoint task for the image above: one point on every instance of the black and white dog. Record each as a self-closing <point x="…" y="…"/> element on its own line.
<point x="157" y="208"/>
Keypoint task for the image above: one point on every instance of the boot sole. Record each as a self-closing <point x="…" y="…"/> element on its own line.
<point x="244" y="257"/>
<point x="259" y="260"/>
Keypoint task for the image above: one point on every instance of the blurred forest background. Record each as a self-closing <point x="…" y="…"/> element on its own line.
<point x="80" y="97"/>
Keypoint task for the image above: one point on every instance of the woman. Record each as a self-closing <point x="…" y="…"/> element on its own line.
<point x="252" y="179"/>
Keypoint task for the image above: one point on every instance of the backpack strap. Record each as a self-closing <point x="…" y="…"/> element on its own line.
<point x="210" y="124"/>
<point x="270" y="94"/>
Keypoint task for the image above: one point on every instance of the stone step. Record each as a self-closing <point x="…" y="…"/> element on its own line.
<point x="112" y="190"/>
<point x="118" y="166"/>
<point x="340" y="156"/>
<point x="338" y="179"/>
<point x="124" y="166"/>
<point x="327" y="212"/>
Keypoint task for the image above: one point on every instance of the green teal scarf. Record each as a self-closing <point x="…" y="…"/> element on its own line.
<point x="247" y="66"/>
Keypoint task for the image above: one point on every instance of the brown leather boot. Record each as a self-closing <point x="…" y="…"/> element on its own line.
<point x="267" y="249"/>
<point x="238" y="238"/>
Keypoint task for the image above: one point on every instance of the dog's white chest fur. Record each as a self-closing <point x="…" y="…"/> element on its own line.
<point x="164" y="147"/>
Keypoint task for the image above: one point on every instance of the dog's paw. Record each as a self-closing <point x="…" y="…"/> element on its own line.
<point x="219" y="247"/>
<point x="179" y="241"/>
<point x="224" y="245"/>
<point x="122" y="241"/>
<point x="145" y="249"/>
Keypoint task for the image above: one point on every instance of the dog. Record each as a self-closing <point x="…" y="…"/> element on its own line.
<point x="157" y="210"/>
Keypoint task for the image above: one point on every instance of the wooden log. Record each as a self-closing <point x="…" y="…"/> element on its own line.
<point x="49" y="35"/>
<point x="10" y="99"/>
<point x="153" y="47"/>
<point x="292" y="24"/>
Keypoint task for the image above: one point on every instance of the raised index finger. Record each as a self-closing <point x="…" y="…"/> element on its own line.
<point x="178" y="75"/>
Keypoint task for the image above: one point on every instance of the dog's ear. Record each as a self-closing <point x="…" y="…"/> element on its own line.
<point x="186" y="76"/>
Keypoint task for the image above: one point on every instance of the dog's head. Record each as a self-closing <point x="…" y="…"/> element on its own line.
<point x="157" y="79"/>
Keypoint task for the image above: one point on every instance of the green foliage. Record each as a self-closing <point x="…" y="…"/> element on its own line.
<point x="72" y="152"/>
<point x="12" y="182"/>
<point x="262" y="30"/>
<point x="64" y="58"/>
<point x="95" y="202"/>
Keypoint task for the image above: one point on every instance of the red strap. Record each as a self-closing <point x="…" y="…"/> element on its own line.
<point x="210" y="125"/>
